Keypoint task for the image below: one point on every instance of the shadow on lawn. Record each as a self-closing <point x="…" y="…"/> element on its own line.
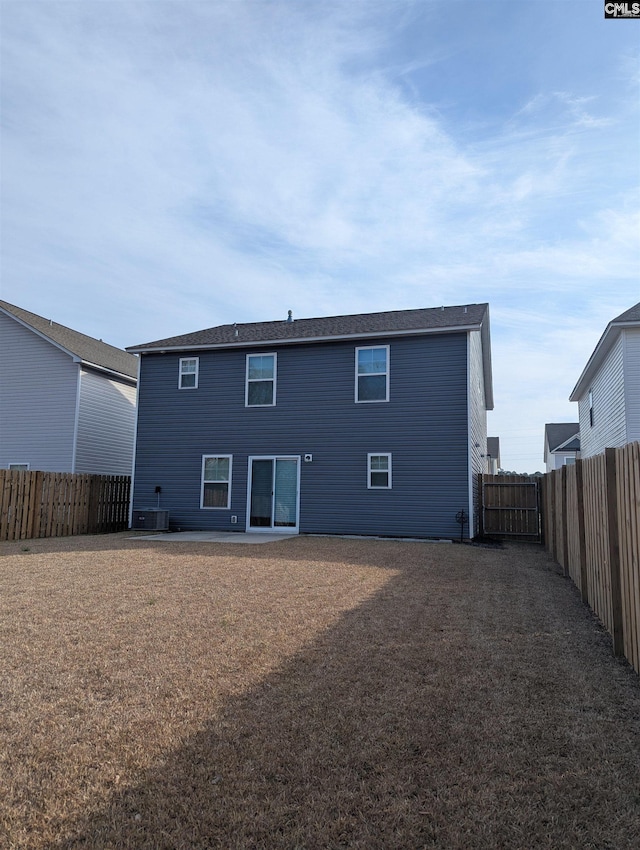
<point x="411" y="723"/>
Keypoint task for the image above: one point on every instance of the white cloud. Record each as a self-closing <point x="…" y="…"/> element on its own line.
<point x="168" y="166"/>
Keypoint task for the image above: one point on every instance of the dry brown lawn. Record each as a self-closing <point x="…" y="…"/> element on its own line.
<point x="308" y="693"/>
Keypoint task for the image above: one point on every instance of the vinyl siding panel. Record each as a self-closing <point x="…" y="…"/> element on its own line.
<point x="424" y="426"/>
<point x="106" y="425"/>
<point x="557" y="460"/>
<point x="631" y="342"/>
<point x="477" y="424"/>
<point x="608" y="428"/>
<point x="38" y="387"/>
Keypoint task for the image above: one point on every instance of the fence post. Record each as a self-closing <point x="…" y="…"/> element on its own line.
<point x="614" y="551"/>
<point x="542" y="497"/>
<point x="552" y="513"/>
<point x="582" y="540"/>
<point x="93" y="513"/>
<point x="564" y="511"/>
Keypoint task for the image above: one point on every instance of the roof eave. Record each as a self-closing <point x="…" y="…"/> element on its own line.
<point x="302" y="340"/>
<point x="123" y="376"/>
<point x="72" y="354"/>
<point x="606" y="341"/>
<point x="41" y="334"/>
<point x="486" y="361"/>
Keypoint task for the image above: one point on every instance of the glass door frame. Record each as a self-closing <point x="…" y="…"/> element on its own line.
<point x="272" y="529"/>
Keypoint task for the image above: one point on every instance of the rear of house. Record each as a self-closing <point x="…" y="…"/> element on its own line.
<point x="372" y="424"/>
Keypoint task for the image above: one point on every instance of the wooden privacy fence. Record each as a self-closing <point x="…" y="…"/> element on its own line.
<point x="58" y="504"/>
<point x="510" y="506"/>
<point x="592" y="528"/>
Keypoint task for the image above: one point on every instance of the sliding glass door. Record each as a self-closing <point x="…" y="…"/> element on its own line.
<point x="273" y="494"/>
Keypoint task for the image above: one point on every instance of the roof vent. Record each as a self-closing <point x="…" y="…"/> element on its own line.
<point x="235" y="329"/>
<point x="290" y="316"/>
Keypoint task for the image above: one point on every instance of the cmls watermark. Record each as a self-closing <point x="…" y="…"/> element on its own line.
<point x="622" y="10"/>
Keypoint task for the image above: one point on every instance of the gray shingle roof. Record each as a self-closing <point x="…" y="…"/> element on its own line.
<point x="557" y="433"/>
<point x="630" y="315"/>
<point x="300" y="330"/>
<point x="86" y="348"/>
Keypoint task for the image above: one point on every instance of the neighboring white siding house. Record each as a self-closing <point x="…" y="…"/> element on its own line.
<point x="480" y="397"/>
<point x="67" y="401"/>
<point x="608" y="391"/>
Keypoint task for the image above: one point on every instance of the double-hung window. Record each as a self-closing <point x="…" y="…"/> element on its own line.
<point x="379" y="471"/>
<point x="372" y="373"/>
<point x="188" y="375"/>
<point x="216" y="481"/>
<point x="261" y="380"/>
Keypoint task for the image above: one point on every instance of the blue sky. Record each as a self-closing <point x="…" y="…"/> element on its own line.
<point x="171" y="166"/>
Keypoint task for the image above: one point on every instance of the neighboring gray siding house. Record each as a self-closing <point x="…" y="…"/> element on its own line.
<point x="608" y="391"/>
<point x="561" y="444"/>
<point x="366" y="424"/>
<point x="67" y="401"/>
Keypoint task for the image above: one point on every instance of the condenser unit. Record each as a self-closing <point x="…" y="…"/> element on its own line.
<point x="150" y="519"/>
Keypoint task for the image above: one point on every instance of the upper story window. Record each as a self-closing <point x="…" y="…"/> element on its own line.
<point x="261" y="380"/>
<point x="20" y="467"/>
<point x="379" y="471"/>
<point x="188" y="375"/>
<point x="372" y="373"/>
<point x="591" y="408"/>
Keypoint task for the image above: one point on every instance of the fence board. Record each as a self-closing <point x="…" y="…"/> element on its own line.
<point x="600" y="516"/>
<point x="56" y="504"/>
<point x="511" y="506"/>
<point x="628" y="464"/>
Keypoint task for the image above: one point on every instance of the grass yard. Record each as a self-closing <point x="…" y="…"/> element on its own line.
<point x="308" y="693"/>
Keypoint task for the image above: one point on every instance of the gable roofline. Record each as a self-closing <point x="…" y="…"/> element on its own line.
<point x="570" y="445"/>
<point x="89" y="352"/>
<point x="558" y="434"/>
<point x="629" y="319"/>
<point x="396" y="323"/>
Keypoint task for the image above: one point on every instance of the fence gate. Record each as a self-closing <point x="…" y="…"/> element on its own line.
<point x="511" y="506"/>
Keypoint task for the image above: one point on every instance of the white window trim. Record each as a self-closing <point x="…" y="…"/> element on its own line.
<point x="274" y="379"/>
<point x="203" y="482"/>
<point x="371" y="486"/>
<point x="386" y="374"/>
<point x="19" y="467"/>
<point x="181" y="373"/>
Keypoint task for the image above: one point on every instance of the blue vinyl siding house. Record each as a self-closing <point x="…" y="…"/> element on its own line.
<point x="372" y="424"/>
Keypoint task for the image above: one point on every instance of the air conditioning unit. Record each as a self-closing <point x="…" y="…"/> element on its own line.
<point x="151" y="519"/>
